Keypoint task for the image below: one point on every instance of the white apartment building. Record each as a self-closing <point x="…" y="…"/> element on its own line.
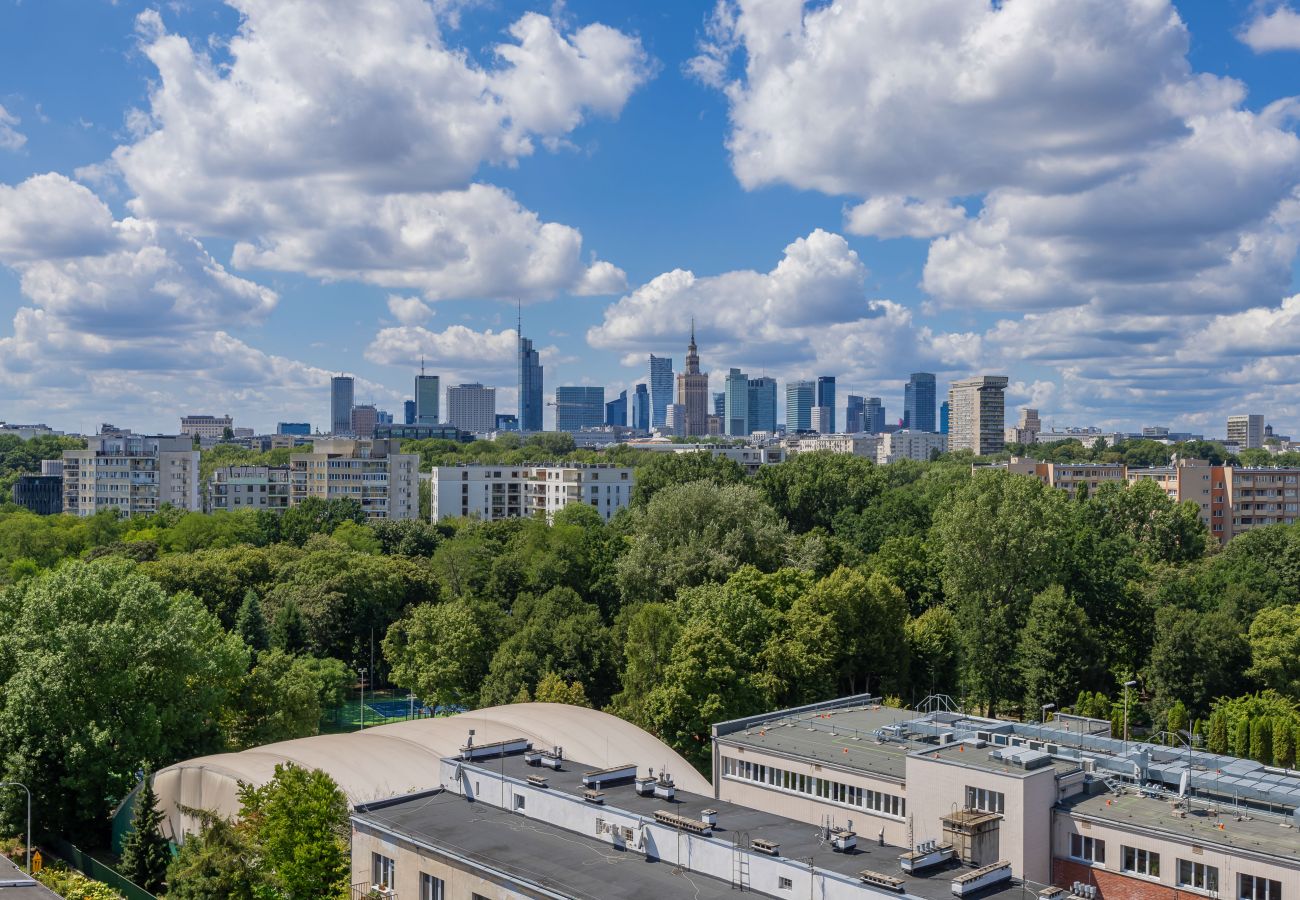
<point x="132" y="474"/>
<point x="248" y="487"/>
<point x="861" y="444"/>
<point x="375" y="473"/>
<point x="211" y="427"/>
<point x="472" y="408"/>
<point x="1246" y="431"/>
<point x="507" y="492"/>
<point x="897" y="445"/>
<point x="977" y="413"/>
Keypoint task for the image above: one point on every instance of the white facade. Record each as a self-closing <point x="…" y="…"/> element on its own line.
<point x="385" y="482"/>
<point x="864" y="445"/>
<point x="206" y="426"/>
<point x="896" y="445"/>
<point x="248" y="487"/>
<point x="1247" y="431"/>
<point x="472" y="408"/>
<point x="506" y="492"/>
<point x="132" y="474"/>
<point x="27" y="432"/>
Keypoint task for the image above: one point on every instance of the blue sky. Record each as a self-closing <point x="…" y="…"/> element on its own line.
<point x="208" y="207"/>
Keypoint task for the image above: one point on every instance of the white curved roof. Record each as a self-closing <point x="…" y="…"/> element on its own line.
<point x="390" y="760"/>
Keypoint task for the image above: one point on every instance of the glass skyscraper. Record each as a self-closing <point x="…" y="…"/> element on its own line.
<point x="918" y="402"/>
<point x="427" y="389"/>
<point x="735" y="419"/>
<point x="943" y="417"/>
<point x="577" y="408"/>
<point x="826" y="398"/>
<point x="873" y="415"/>
<point x="661" y="389"/>
<point x="799" y="397"/>
<point x="854" y="408"/>
<point x="341" y="395"/>
<point x="616" y="410"/>
<point x="640" y="418"/>
<point x="530" y="386"/>
<point x="720" y="404"/>
<point x="762" y="404"/>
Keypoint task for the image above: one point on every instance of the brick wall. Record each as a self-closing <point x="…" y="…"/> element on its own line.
<point x="1110" y="885"/>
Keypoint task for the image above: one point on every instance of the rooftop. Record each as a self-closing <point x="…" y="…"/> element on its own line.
<point x="15" y="884"/>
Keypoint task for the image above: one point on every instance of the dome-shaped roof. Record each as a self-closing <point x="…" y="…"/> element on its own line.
<point x="390" y="760"/>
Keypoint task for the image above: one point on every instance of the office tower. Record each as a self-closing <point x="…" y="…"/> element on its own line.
<point x="693" y="391"/>
<point x="131" y="474"/>
<point x="383" y="417"/>
<point x="427" y="391"/>
<point x="472" y="408"/>
<point x="821" y="420"/>
<point x="341" y="397"/>
<point x="616" y="411"/>
<point x="577" y="408"/>
<point x="1246" y="431"/>
<point x="762" y="404"/>
<point x="408" y="412"/>
<point x="873" y="415"/>
<point x="507" y="422"/>
<point x="303" y="428"/>
<point x="1026" y="431"/>
<point x="735" y="416"/>
<point x="719" y="403"/>
<point x="826" y="398"/>
<point x="675" y="420"/>
<point x="530" y="386"/>
<point x="385" y="481"/>
<point x="853" y="412"/>
<point x="640" y="409"/>
<point x="211" y="427"/>
<point x="918" y="402"/>
<point x="364" y="419"/>
<point x="661" y="389"/>
<point x="977" y="414"/>
<point x="943" y="417"/>
<point x="799" y="397"/>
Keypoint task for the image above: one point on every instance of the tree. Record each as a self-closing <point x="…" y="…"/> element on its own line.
<point x="316" y="516"/>
<point x="441" y="651"/>
<point x="105" y="672"/>
<point x="1275" y="649"/>
<point x="279" y="699"/>
<point x="219" y="861"/>
<point x="1217" y="741"/>
<point x="1176" y="722"/>
<point x="1196" y="657"/>
<point x="1057" y="650"/>
<point x="809" y="490"/>
<point x="551" y="688"/>
<point x="250" y="624"/>
<point x="289" y="632"/>
<point x="665" y="470"/>
<point x="934" y="645"/>
<point x="647" y="633"/>
<point x="299" y="821"/>
<point x="145" y="852"/>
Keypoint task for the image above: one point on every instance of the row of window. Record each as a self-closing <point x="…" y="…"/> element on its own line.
<point x="985" y="800"/>
<point x="383" y="870"/>
<point x="824" y="788"/>
<point x="1190" y="874"/>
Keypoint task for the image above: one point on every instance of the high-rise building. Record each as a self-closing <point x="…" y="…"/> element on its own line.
<point x="800" y="398"/>
<point x="762" y="404"/>
<point x="675" y="420"/>
<point x="383" y="480"/>
<point x="977" y="414"/>
<point x="1026" y="431"/>
<point x="577" y="408"/>
<point x="821" y="420"/>
<point x="661" y="389"/>
<point x="1246" y="431"/>
<point x="427" y="391"/>
<point x="248" y="487"/>
<point x="826" y="398"/>
<point x="640" y="409"/>
<point x="616" y="411"/>
<point x="507" y="422"/>
<point x="530" y="386"/>
<point x="943" y="417"/>
<point x="719" y="403"/>
<point x="408" y="412"/>
<point x="853" y="410"/>
<point x="918" y="402"/>
<point x="693" y="391"/>
<point x="302" y="428"/>
<point x="211" y="427"/>
<point x="503" y="492"/>
<point x="131" y="474"/>
<point x="472" y="408"/>
<point x="364" y="419"/>
<point x="341" y="402"/>
<point x="735" y="417"/>
<point x="873" y="415"/>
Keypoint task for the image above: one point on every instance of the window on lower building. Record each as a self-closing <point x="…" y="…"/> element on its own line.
<point x="1140" y="862"/>
<point x="1088" y="849"/>
<point x="1198" y="876"/>
<point x="382" y="869"/>
<point x="986" y="800"/>
<point x="1253" y="887"/>
<point x="432" y="888"/>
<point x="784" y="883"/>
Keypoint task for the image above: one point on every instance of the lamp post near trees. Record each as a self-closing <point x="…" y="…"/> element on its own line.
<point x="1127" y="686"/>
<point x="5" y="784"/>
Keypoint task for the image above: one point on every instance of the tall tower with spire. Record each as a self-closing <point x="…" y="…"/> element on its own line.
<point x="693" y="390"/>
<point x="428" y="389"/>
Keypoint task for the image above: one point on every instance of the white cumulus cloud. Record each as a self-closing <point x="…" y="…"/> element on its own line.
<point x="10" y="137"/>
<point x="1276" y="29"/>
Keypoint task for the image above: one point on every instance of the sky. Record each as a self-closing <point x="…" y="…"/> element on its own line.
<point x="211" y="207"/>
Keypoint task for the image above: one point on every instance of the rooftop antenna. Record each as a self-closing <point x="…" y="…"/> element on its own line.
<point x="519" y="320"/>
<point x="421" y="365"/>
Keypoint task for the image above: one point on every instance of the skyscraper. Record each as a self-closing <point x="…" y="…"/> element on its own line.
<point x="735" y="419"/>
<point x="341" y="396"/>
<point x="408" y="412"/>
<point x="873" y="415"/>
<point x="719" y="403"/>
<point x="640" y="419"/>
<point x="472" y="408"/>
<point x="530" y="385"/>
<point x="616" y="410"/>
<point x="1246" y="431"/>
<point x="693" y="391"/>
<point x="799" y="397"/>
<point x="826" y="398"/>
<point x="918" y="402"/>
<point x="427" y="391"/>
<point x="853" y="410"/>
<point x="364" y="419"/>
<point x="977" y="411"/>
<point x="943" y="417"/>
<point x="762" y="404"/>
<point x="578" y="407"/>
<point x="661" y="389"/>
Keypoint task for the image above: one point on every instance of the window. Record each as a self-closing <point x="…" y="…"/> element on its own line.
<point x="784" y="883"/>
<point x="1140" y="862"/>
<point x="519" y="801"/>
<point x="1253" y="887"/>
<point x="382" y="869"/>
<point x="986" y="800"/>
<point x="1198" y="876"/>
<point x="1088" y="849"/>
<point x="432" y="888"/>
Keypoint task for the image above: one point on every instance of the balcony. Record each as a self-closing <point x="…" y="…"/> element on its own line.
<point x="364" y="890"/>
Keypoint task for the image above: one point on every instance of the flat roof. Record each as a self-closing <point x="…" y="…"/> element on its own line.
<point x="15" y="884"/>
<point x="1261" y="834"/>
<point x="840" y="737"/>
<point x="966" y="754"/>
<point x="434" y="821"/>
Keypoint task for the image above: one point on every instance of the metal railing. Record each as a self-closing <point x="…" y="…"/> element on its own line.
<point x="365" y="890"/>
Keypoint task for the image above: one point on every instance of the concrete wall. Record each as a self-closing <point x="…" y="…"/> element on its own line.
<point x="411" y="861"/>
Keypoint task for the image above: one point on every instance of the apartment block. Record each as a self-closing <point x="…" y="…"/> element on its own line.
<point x="1070" y="477"/>
<point x="898" y="445"/>
<point x="977" y="414"/>
<point x="134" y="475"/>
<point x="864" y="445"/>
<point x="210" y="427"/>
<point x="472" y="408"/>
<point x="1246" y="431"/>
<point x="248" y="487"/>
<point x="375" y="473"/>
<point x="511" y="492"/>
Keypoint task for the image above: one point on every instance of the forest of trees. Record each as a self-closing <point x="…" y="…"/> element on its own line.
<point x="133" y="644"/>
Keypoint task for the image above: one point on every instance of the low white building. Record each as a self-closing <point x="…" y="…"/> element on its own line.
<point x="506" y="492"/>
<point x="861" y="444"/>
<point x="896" y="445"/>
<point x="209" y="427"/>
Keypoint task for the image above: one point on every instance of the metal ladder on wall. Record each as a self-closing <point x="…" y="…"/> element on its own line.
<point x="740" y="861"/>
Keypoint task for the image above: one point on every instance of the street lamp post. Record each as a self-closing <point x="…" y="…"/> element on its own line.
<point x="5" y="784"/>
<point x="1127" y="685"/>
<point x="363" y="699"/>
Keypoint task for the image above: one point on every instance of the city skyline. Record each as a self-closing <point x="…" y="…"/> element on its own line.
<point x="154" y="255"/>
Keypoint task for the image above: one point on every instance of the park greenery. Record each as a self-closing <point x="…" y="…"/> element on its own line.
<point x="130" y="644"/>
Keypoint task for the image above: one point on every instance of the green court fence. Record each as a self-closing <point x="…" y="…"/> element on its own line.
<point x="87" y="865"/>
